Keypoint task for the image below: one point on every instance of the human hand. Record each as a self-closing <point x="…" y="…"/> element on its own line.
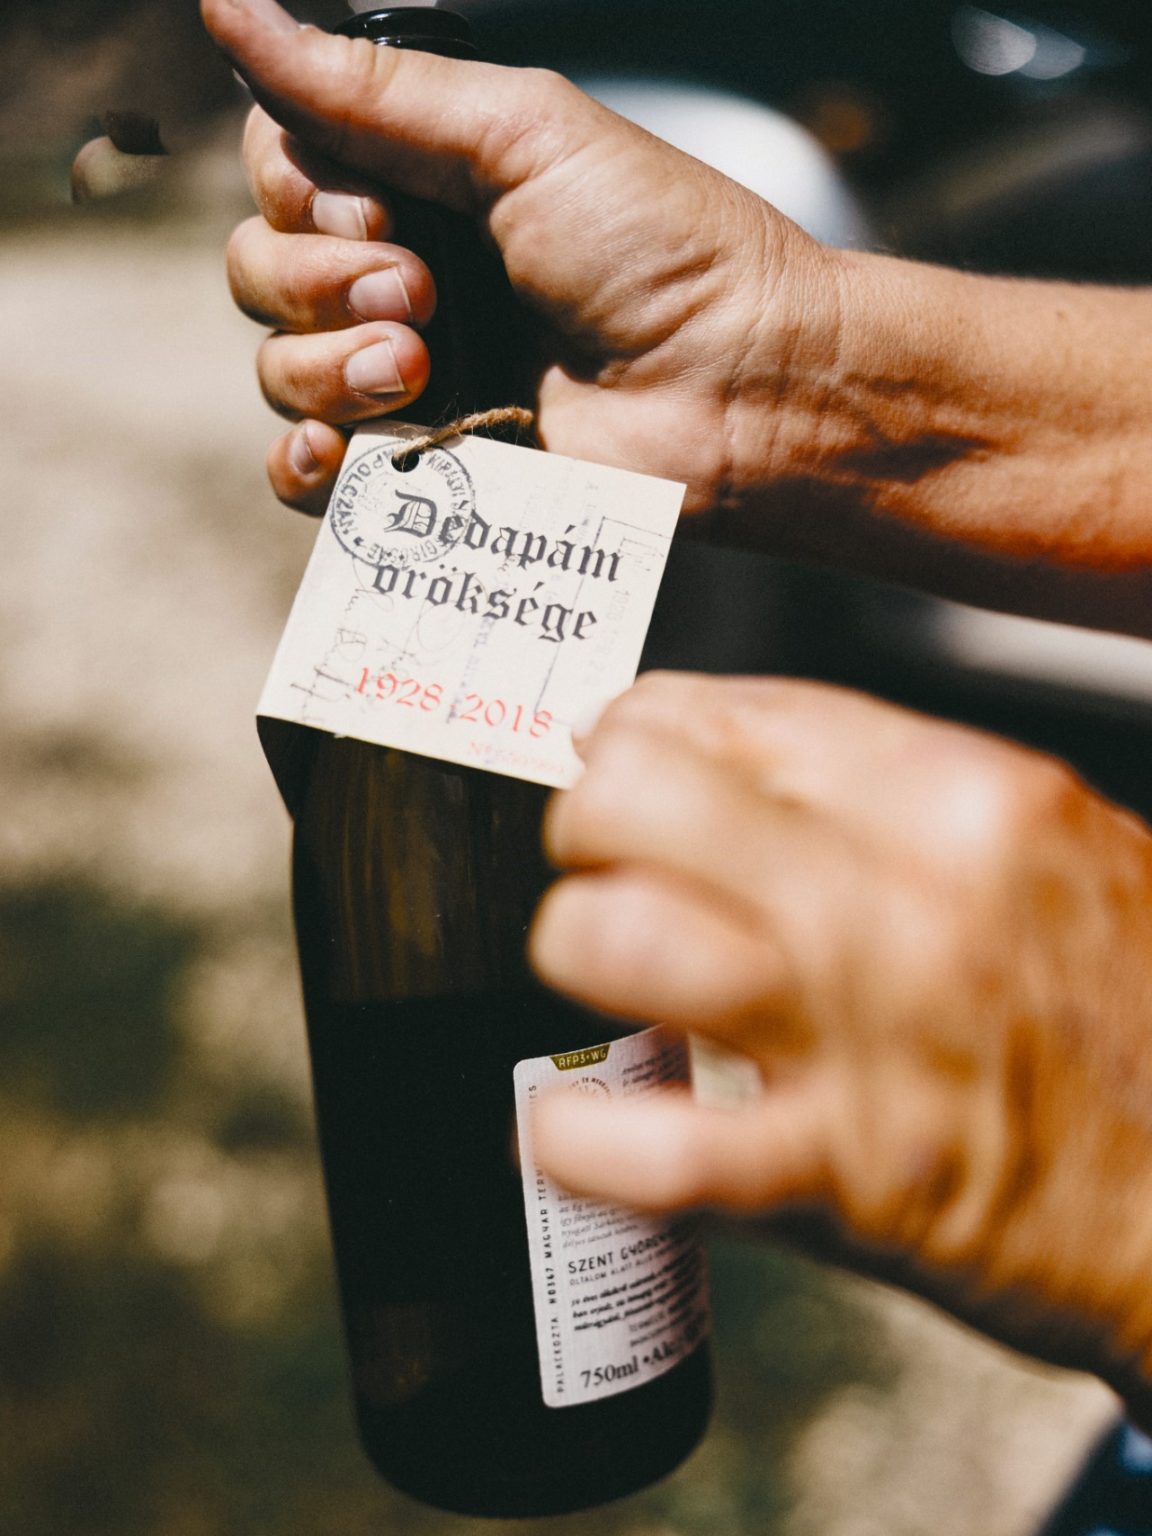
<point x="936" y="948"/>
<point x="654" y="282"/>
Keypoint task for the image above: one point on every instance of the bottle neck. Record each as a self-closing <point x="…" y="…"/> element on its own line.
<point x="477" y="337"/>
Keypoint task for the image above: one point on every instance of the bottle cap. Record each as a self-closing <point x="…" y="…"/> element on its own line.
<point x="418" y="26"/>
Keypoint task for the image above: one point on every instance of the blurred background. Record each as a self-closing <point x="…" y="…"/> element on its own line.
<point x="170" y="1360"/>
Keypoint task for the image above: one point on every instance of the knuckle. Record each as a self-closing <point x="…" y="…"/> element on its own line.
<point x="628" y="947"/>
<point x="295" y="283"/>
<point x="242" y="267"/>
<point x="659" y="686"/>
<point x="586" y="821"/>
<point x="553" y="828"/>
<point x="1054" y="788"/>
<point x="269" y="169"/>
<point x="533" y="96"/>
<point x="552" y="825"/>
<point x="280" y="477"/>
<point x="255" y="135"/>
<point x="998" y="797"/>
<point x="271" y="184"/>
<point x="618" y="760"/>
<point x="310" y="274"/>
<point x="301" y="490"/>
<point x="549" y="86"/>
<point x="652" y="698"/>
<point x="298" y="379"/>
<point x="573" y="821"/>
<point x="697" y="712"/>
<point x="1034" y="792"/>
<point x="286" y="174"/>
<point x="914" y="1173"/>
<point x="526" y="133"/>
<point x="365" y="73"/>
<point x="276" y="398"/>
<point x="284" y="381"/>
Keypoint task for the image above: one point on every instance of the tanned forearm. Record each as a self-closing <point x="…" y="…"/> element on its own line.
<point x="987" y="438"/>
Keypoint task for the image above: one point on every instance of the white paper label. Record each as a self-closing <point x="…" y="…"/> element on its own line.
<point x="472" y="608"/>
<point x="620" y="1298"/>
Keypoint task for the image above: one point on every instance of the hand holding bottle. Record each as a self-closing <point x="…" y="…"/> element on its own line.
<point x="650" y="277"/>
<point x="935" y="945"/>
<point x="414" y="880"/>
<point x="936" y="948"/>
<point x="979" y="437"/>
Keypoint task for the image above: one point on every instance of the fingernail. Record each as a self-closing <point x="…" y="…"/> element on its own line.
<point x="381" y="295"/>
<point x="340" y="213"/>
<point x="269" y="13"/>
<point x="303" y="460"/>
<point x="375" y="371"/>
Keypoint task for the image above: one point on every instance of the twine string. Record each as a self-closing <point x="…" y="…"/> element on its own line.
<point x="503" y="416"/>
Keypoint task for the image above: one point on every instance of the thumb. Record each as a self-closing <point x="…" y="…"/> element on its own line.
<point x="447" y="129"/>
<point x="666" y="1152"/>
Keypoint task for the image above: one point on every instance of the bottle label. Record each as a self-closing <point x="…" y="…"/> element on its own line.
<point x="473" y="606"/>
<point x="620" y="1298"/>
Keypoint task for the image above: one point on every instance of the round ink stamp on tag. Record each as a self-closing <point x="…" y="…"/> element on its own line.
<point x="391" y="517"/>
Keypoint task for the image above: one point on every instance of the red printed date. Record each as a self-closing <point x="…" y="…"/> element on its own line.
<point x="495" y="714"/>
<point x="387" y="687"/>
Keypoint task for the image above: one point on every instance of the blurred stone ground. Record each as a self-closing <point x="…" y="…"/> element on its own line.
<point x="169" y="1352"/>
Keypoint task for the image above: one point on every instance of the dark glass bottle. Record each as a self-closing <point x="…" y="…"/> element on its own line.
<point x="414" y="884"/>
<point x="478" y="342"/>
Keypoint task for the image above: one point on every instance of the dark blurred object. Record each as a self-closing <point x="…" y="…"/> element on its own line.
<point x="65" y="61"/>
<point x="1014" y="138"/>
<point x="1006" y="138"/>
<point x="915" y="56"/>
<point x="133" y="133"/>
<point x="129" y="155"/>
<point x="1113" y="1494"/>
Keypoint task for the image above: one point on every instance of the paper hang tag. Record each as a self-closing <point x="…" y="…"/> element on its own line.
<point x="473" y="606"/>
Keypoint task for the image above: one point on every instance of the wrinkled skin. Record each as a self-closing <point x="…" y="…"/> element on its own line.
<point x="634" y="331"/>
<point x="936" y="948"/>
<point x="934" y="945"/>
<point x="986" y="438"/>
